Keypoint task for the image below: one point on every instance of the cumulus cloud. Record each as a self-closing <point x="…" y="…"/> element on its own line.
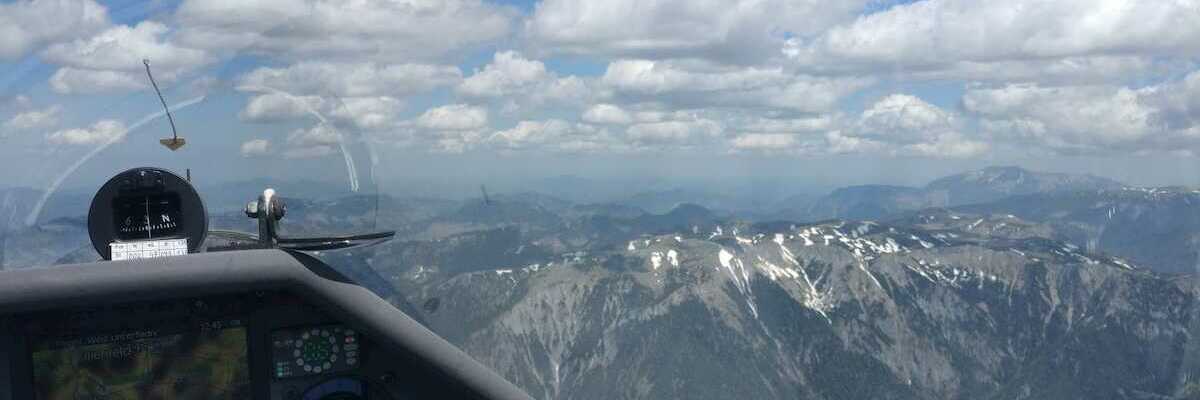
<point x="27" y="25"/>
<point x="452" y="128"/>
<point x="277" y="106"/>
<point x="101" y="132"/>
<point x="679" y="131"/>
<point x="838" y="142"/>
<point x="351" y="79"/>
<point x="895" y="125"/>
<point x="1178" y="103"/>
<point x="519" y="83"/>
<point x="112" y="59"/>
<point x="1082" y="115"/>
<point x="1082" y="70"/>
<point x="937" y="33"/>
<point x="368" y="112"/>
<point x="454" y="117"/>
<point x="818" y="123"/>
<point x="739" y="32"/>
<point x="558" y="135"/>
<point x="255" y="147"/>
<point x="909" y="125"/>
<point x="727" y="86"/>
<point x="768" y="142"/>
<point x="69" y="80"/>
<point x="905" y="119"/>
<point x="359" y="112"/>
<point x="317" y="141"/>
<point x="366" y="95"/>
<point x="362" y="29"/>
<point x="507" y="73"/>
<point x="1091" y="119"/>
<point x="770" y="76"/>
<point x="607" y="114"/>
<point x="33" y="119"/>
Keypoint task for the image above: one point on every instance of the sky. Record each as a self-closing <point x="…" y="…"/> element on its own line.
<point x="802" y="91"/>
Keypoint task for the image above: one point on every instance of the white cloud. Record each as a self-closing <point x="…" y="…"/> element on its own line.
<point x="775" y="76"/>
<point x="896" y="125"/>
<point x="351" y="79"/>
<point x="1178" y="103"/>
<point x="358" y="29"/>
<point x="1052" y="71"/>
<point x="654" y="77"/>
<point x="764" y="141"/>
<point x="1091" y="119"/>
<point x="112" y="60"/>
<point x="781" y="135"/>
<point x="906" y="125"/>
<point x="607" y="114"/>
<point x="789" y="125"/>
<point x="361" y="112"/>
<point x="1064" y="117"/>
<point x="256" y="147"/>
<point x="27" y="25"/>
<point x="122" y="48"/>
<point x="454" y="117"/>
<point x="742" y="31"/>
<point x="521" y="84"/>
<point x="674" y="131"/>
<point x="33" y="119"/>
<point x="528" y="133"/>
<point x="557" y="135"/>
<point x="753" y="87"/>
<point x="840" y="143"/>
<point x="905" y="119"/>
<point x="317" y="141"/>
<point x="368" y="112"/>
<point x="317" y="135"/>
<point x="101" y="132"/>
<point x="936" y="33"/>
<point x="507" y="73"/>
<point x="69" y="80"/>
<point x="276" y="106"/>
<point x="948" y="146"/>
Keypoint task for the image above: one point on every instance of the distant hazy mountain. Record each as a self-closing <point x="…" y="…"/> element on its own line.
<point x="979" y="186"/>
<point x="666" y="200"/>
<point x="605" y="209"/>
<point x="64" y="239"/>
<point x="994" y="183"/>
<point x="870" y="202"/>
<point x="18" y="203"/>
<point x="544" y="201"/>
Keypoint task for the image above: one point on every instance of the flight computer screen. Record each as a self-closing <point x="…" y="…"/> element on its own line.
<point x="204" y="362"/>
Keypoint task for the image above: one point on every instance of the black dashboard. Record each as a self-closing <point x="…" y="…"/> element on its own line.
<point x="260" y="324"/>
<point x="196" y="348"/>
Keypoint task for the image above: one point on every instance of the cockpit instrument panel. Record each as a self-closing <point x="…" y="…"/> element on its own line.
<point x="313" y="350"/>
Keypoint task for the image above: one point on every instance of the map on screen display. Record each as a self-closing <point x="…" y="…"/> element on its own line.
<point x="208" y="364"/>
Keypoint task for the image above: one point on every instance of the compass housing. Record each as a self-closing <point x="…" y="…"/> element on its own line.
<point x="145" y="204"/>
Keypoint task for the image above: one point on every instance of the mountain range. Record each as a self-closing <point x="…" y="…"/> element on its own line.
<point x="1000" y="283"/>
<point x="832" y="310"/>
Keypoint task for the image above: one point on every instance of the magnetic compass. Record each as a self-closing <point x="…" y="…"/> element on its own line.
<point x="146" y="212"/>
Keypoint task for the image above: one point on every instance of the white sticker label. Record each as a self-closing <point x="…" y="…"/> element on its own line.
<point x="148" y="249"/>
